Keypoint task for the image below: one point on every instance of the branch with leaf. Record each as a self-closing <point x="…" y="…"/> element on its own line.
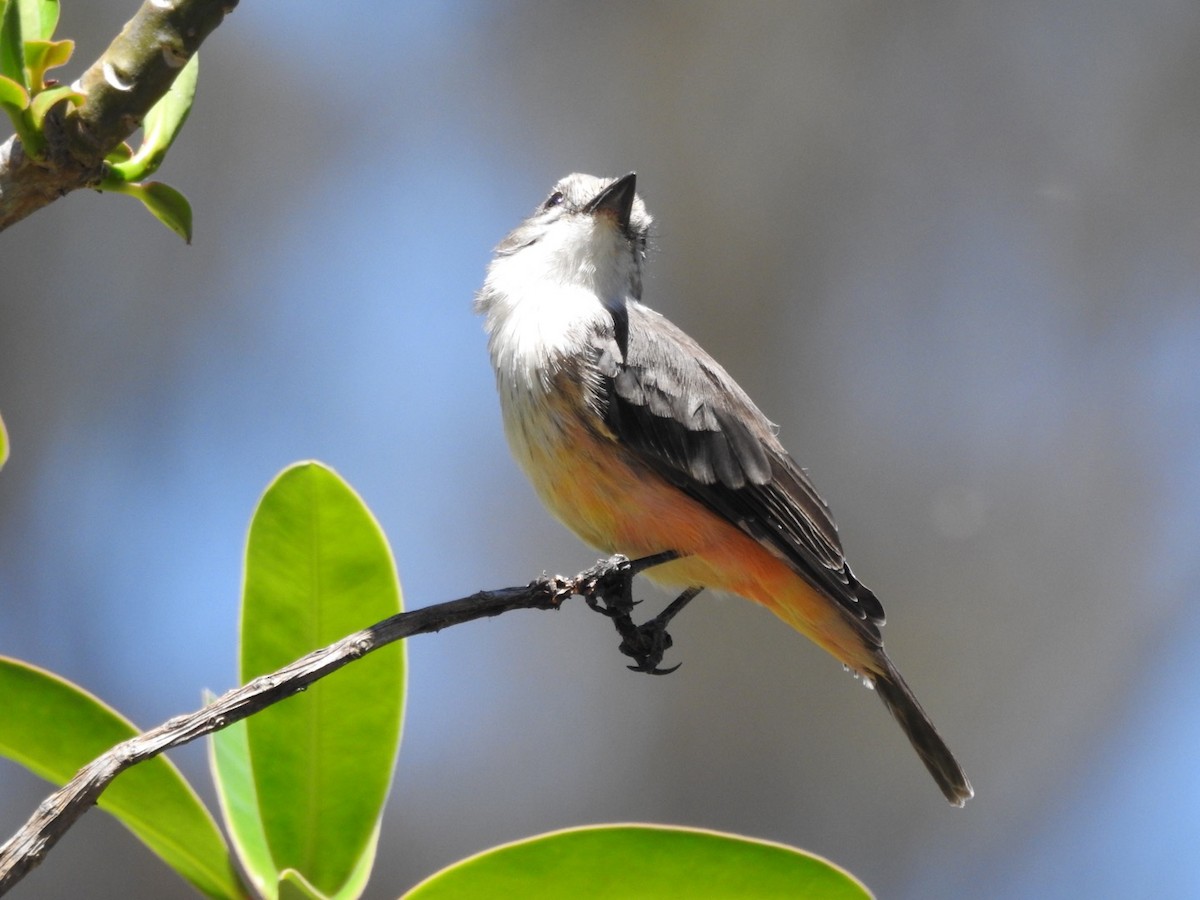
<point x="73" y="136"/>
<point x="302" y="784"/>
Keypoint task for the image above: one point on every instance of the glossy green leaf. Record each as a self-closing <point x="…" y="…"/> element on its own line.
<point x="3" y="444"/>
<point x="54" y="728"/>
<point x="318" y="568"/>
<point x="12" y="44"/>
<point x="39" y="18"/>
<point x="162" y="124"/>
<point x="634" y="861"/>
<point x="229" y="762"/>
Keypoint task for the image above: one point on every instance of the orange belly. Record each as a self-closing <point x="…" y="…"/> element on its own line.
<point x="614" y="502"/>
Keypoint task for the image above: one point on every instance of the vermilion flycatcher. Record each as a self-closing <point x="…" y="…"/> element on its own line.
<point x="639" y="441"/>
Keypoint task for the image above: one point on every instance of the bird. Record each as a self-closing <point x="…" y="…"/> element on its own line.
<point x="641" y="443"/>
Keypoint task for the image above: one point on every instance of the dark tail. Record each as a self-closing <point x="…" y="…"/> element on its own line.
<point x="924" y="737"/>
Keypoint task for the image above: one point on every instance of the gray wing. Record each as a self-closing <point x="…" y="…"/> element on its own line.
<point x="674" y="406"/>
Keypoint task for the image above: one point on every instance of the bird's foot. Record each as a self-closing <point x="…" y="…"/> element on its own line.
<point x="607" y="587"/>
<point x="647" y="643"/>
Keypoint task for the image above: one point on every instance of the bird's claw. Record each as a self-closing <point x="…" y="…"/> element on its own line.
<point x="647" y="643"/>
<point x="666" y="671"/>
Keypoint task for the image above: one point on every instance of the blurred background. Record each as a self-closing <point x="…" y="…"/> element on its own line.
<point x="950" y="248"/>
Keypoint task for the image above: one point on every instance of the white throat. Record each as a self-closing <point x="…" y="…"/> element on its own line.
<point x="543" y="300"/>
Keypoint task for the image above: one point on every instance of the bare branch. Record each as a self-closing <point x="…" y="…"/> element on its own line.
<point x="129" y="77"/>
<point x="606" y="581"/>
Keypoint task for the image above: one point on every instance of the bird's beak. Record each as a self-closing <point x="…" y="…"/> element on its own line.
<point x="616" y="199"/>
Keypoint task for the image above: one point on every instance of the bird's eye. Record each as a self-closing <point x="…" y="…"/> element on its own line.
<point x="553" y="200"/>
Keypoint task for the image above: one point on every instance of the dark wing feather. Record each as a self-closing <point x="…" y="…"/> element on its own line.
<point x="670" y="403"/>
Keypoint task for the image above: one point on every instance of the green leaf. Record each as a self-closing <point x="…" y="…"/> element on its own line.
<point x="45" y="101"/>
<point x="162" y="124"/>
<point x="294" y="886"/>
<point x="38" y="19"/>
<point x="119" y="153"/>
<point x="54" y="728"/>
<point x="318" y="568"/>
<point x="166" y="204"/>
<point x="357" y="882"/>
<point x="626" y="861"/>
<point x="14" y="100"/>
<point x="43" y="55"/>
<point x="13" y="95"/>
<point x="229" y="761"/>
<point x="3" y="444"/>
<point x="12" y="44"/>
<point x="159" y="128"/>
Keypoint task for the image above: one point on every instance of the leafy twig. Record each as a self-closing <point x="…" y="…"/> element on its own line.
<point x="118" y="90"/>
<point x="605" y="585"/>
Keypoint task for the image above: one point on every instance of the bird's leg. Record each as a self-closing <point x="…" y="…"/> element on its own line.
<point x="608" y="589"/>
<point x="646" y="643"/>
